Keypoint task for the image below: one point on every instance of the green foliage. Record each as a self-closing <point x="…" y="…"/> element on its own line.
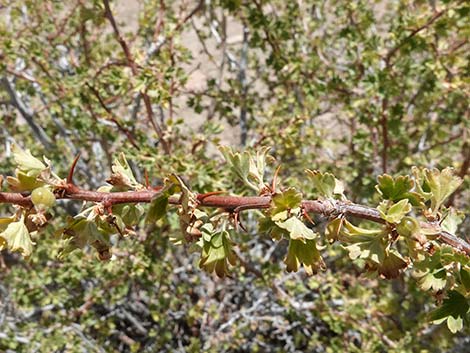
<point x="217" y="251"/>
<point x="354" y="91"/>
<point x="305" y="253"/>
<point x="454" y="310"/>
<point x="249" y="168"/>
<point x="396" y="189"/>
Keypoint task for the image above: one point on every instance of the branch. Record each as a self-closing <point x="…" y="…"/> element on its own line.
<point x="325" y="208"/>
<point x="27" y="113"/>
<point x="132" y="64"/>
<point x="433" y="18"/>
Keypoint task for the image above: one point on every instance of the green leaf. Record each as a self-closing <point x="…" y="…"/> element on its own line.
<point x="266" y="225"/>
<point x="452" y="220"/>
<point x="465" y="278"/>
<point x="366" y="243"/>
<point x="286" y="200"/>
<point x="16" y="238"/>
<point x="159" y="204"/>
<point x="434" y="280"/>
<point x="23" y="182"/>
<point x="303" y="253"/>
<point x="454" y="309"/>
<point x="369" y="247"/>
<point x="130" y="214"/>
<point x="157" y="209"/>
<point x="82" y="232"/>
<point x="28" y="164"/>
<point x="296" y="229"/>
<point x="399" y="188"/>
<point x="325" y="183"/>
<point x="351" y="234"/>
<point x="248" y="168"/>
<point x="420" y="183"/>
<point x="430" y="273"/>
<point x="217" y="252"/>
<point x="394" y="213"/>
<point x="442" y="184"/>
<point x="436" y="185"/>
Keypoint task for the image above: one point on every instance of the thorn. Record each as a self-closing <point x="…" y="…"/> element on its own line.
<point x="237" y="219"/>
<point x="146" y="175"/>
<point x="305" y="214"/>
<point x="72" y="169"/>
<point x="240" y="223"/>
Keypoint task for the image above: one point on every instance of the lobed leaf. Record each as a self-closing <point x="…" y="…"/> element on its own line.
<point x="454" y="310"/>
<point x="399" y="188"/>
<point x="394" y="213"/>
<point x="217" y="252"/>
<point x="325" y="183"/>
<point x="248" y="168"/>
<point x="297" y="229"/>
<point x="303" y="253"/>
<point x="16" y="237"/>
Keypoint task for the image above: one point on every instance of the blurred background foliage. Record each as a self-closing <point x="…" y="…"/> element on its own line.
<point x="357" y="88"/>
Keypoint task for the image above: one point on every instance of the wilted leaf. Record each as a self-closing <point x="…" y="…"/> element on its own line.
<point x="333" y="229"/>
<point x="82" y="232"/>
<point x="392" y="264"/>
<point x="187" y="207"/>
<point x="122" y="176"/>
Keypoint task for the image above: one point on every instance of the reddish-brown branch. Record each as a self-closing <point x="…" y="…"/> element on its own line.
<point x="385" y="139"/>
<point x="233" y="203"/>
<point x="113" y="118"/>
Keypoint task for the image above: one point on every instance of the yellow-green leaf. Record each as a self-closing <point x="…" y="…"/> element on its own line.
<point x="16" y="238"/>
<point x="26" y="162"/>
